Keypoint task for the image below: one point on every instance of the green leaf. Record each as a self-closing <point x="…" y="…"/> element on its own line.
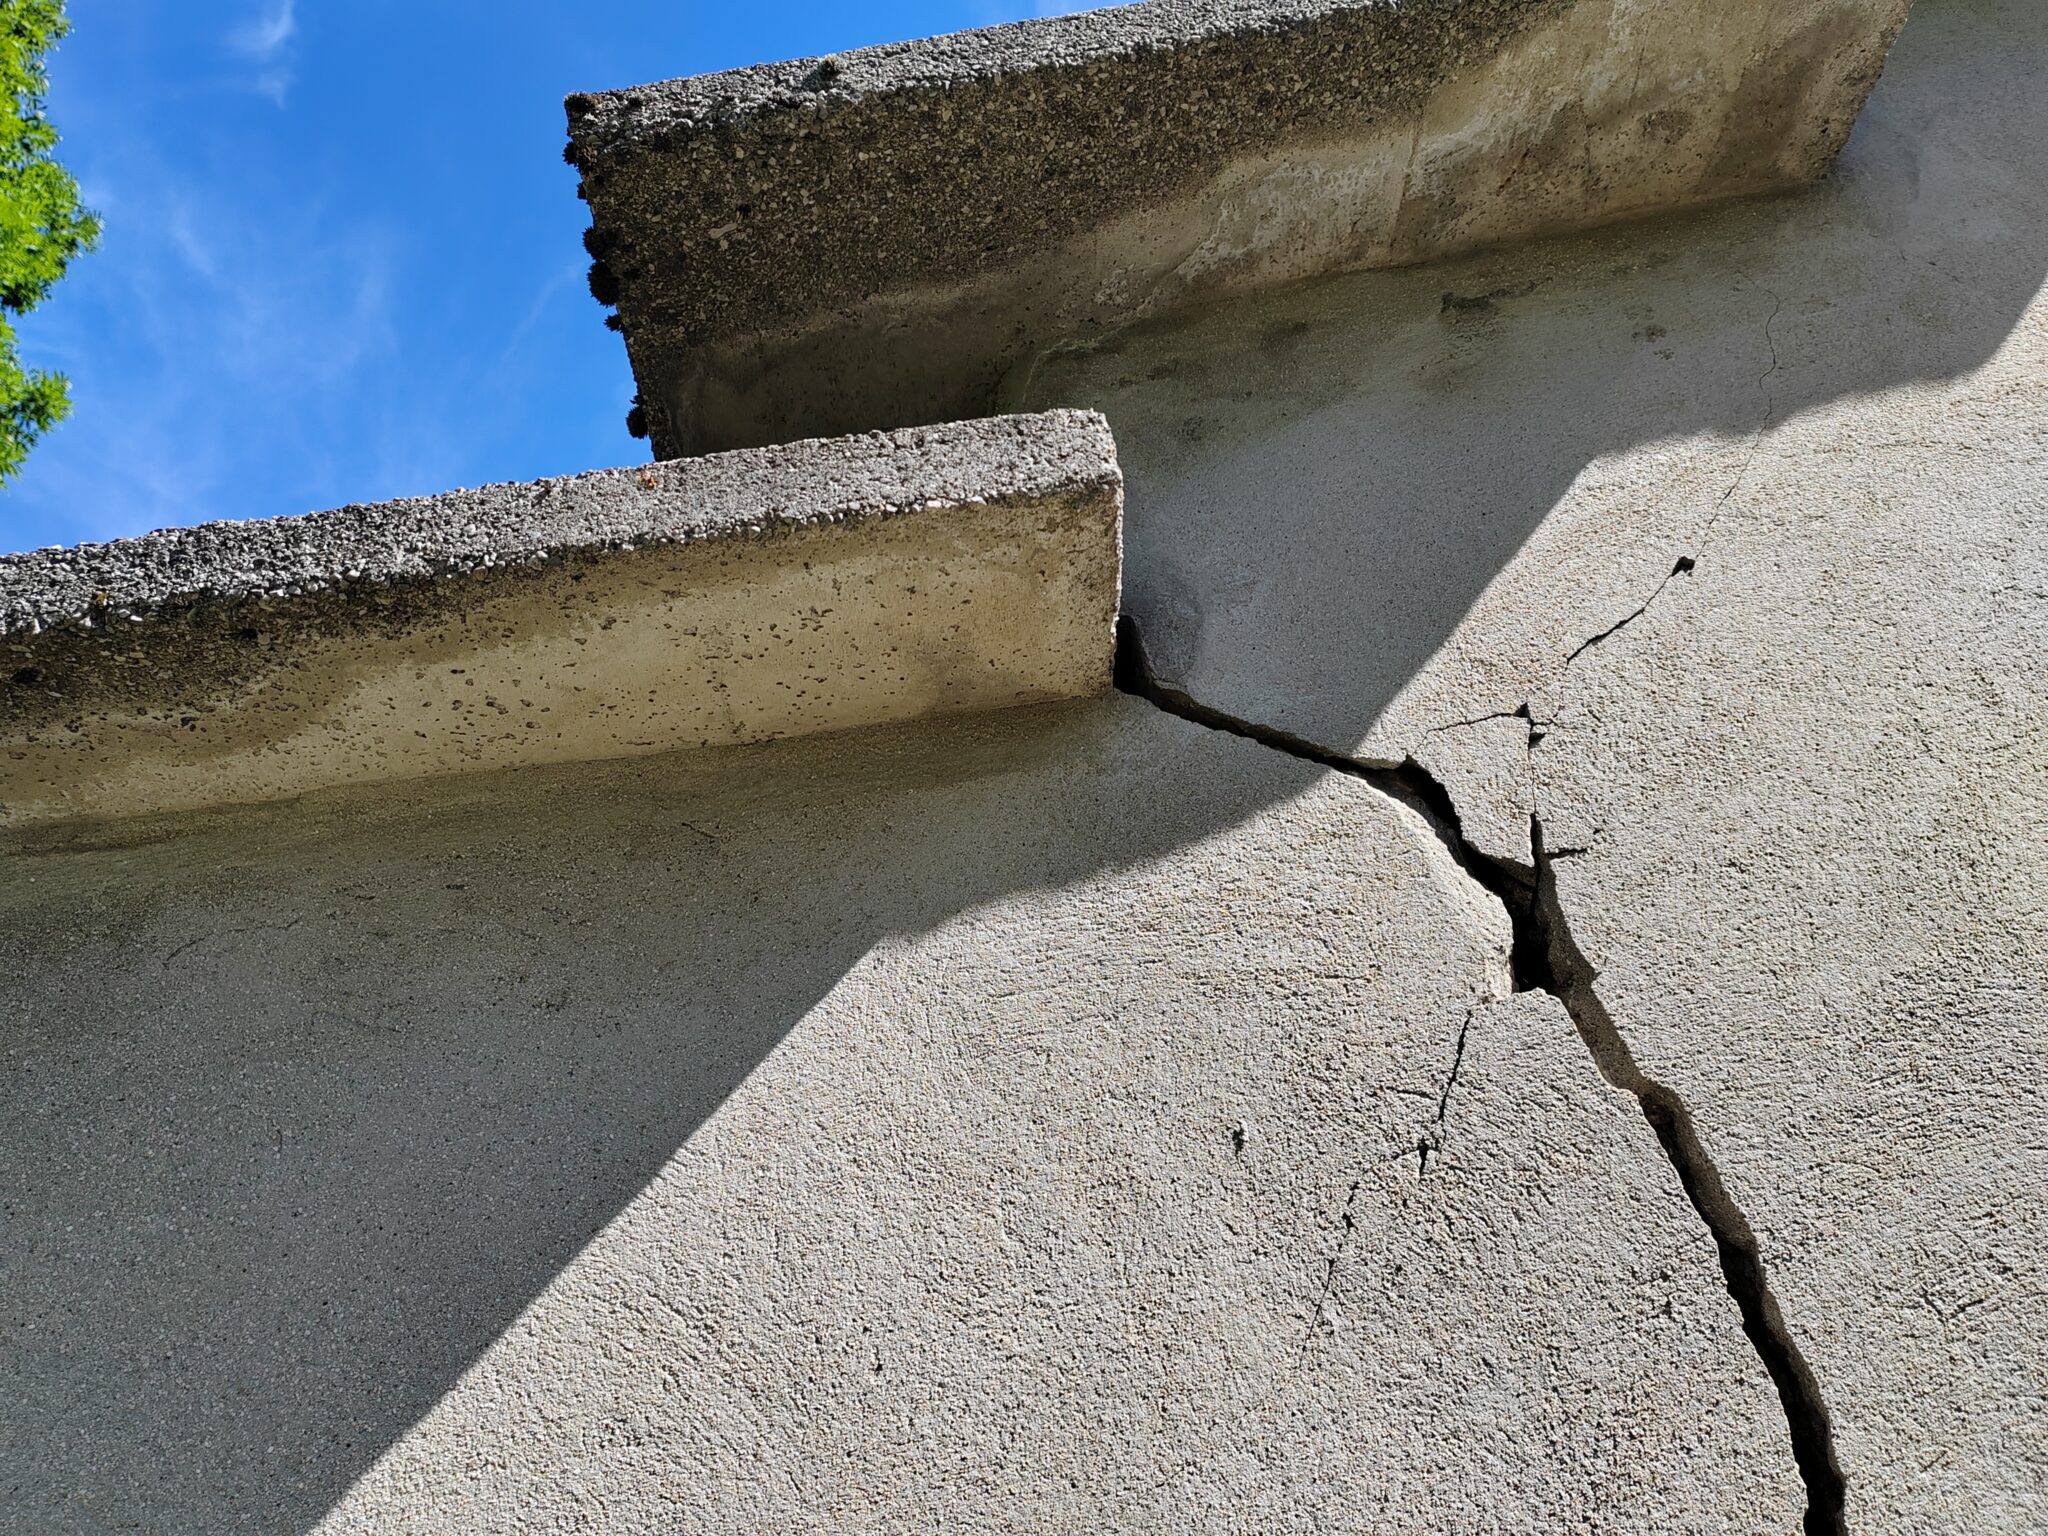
<point x="42" y="224"/>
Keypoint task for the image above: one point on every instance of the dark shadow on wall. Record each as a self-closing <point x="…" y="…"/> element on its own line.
<point x="1322" y="481"/>
<point x="305" y="1104"/>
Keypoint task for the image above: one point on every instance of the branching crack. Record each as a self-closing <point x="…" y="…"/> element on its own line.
<point x="1407" y="782"/>
<point x="1519" y="712"/>
<point x="1545" y="956"/>
<point x="1685" y="565"/>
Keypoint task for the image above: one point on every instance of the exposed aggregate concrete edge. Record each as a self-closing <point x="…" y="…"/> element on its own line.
<point x="746" y="493"/>
<point x="834" y="244"/>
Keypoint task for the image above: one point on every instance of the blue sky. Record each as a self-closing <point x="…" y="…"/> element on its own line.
<point x="343" y="257"/>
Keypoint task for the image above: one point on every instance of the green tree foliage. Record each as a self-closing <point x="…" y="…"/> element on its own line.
<point x="42" y="225"/>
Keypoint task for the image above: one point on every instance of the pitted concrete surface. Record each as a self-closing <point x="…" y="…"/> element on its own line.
<point x="742" y="597"/>
<point x="1070" y="1118"/>
<point x="1717" y="543"/>
<point x="874" y="239"/>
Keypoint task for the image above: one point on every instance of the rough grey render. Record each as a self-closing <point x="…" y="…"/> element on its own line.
<point x="740" y="597"/>
<point x="1717" y="544"/>
<point x="874" y="239"/>
<point x="1549" y="1038"/>
<point x="1066" y="1119"/>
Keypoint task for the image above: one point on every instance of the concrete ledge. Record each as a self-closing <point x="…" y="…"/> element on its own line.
<point x="834" y="245"/>
<point x="737" y="598"/>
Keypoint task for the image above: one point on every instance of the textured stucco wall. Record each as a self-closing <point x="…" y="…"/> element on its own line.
<point x="1577" y="1065"/>
<point x="1717" y="545"/>
<point x="1066" y="1119"/>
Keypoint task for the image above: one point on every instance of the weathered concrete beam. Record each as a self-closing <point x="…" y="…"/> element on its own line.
<point x="736" y="598"/>
<point x="839" y="244"/>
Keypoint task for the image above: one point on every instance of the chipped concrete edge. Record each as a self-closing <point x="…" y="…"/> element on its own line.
<point x="876" y="238"/>
<point x="816" y="586"/>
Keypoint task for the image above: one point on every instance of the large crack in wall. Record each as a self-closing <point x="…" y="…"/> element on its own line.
<point x="1546" y="957"/>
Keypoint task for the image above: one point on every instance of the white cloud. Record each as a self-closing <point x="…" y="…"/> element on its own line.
<point x="265" y="41"/>
<point x="265" y="37"/>
<point x="217" y="317"/>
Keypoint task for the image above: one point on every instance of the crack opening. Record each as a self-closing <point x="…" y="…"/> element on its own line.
<point x="1545" y="956"/>
<point x="1684" y="565"/>
<point x="1407" y="782"/>
<point x="1432" y="1144"/>
<point x="1742" y="1267"/>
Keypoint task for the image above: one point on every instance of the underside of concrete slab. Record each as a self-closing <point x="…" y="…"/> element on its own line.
<point x="836" y="244"/>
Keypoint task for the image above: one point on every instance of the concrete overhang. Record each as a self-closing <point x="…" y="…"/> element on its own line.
<point x="741" y="597"/>
<point x="877" y="239"/>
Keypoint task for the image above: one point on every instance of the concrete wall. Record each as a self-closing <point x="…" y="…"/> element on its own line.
<point x="1070" y="1118"/>
<point x="1530" y="1019"/>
